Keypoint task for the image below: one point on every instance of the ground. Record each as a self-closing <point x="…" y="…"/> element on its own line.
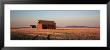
<point x="55" y="34"/>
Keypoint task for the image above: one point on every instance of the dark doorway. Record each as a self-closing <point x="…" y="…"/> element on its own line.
<point x="44" y="27"/>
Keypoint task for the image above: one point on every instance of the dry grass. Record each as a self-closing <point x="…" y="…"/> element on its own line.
<point x="56" y="34"/>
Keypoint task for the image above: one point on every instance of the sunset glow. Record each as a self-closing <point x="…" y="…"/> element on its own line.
<point x="24" y="18"/>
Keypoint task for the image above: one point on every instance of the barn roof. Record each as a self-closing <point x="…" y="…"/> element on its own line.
<point x="46" y="21"/>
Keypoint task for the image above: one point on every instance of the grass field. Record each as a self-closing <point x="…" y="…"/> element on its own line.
<point x="56" y="34"/>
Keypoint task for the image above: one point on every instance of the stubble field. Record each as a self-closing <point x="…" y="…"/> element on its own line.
<point x="55" y="34"/>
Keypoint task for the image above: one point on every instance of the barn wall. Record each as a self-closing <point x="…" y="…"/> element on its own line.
<point x="39" y="26"/>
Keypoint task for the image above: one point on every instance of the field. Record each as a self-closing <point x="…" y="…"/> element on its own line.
<point x="55" y="34"/>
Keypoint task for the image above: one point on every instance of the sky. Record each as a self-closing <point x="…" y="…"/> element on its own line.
<point x="25" y="18"/>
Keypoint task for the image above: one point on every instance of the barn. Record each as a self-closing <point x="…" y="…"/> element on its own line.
<point x="44" y="24"/>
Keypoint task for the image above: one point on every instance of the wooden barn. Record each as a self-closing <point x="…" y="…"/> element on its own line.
<point x="44" y="24"/>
